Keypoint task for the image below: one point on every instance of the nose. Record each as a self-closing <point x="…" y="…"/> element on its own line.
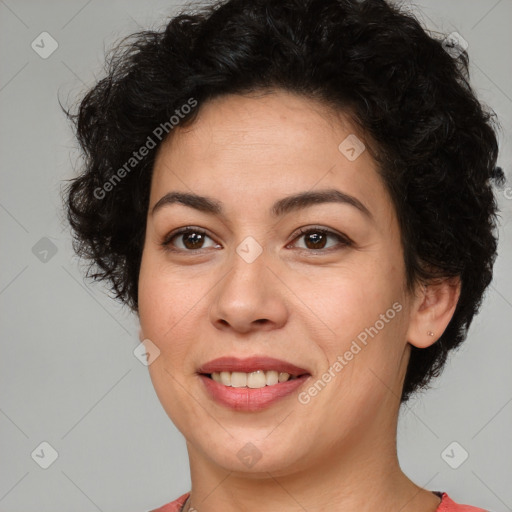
<point x="249" y="297"/>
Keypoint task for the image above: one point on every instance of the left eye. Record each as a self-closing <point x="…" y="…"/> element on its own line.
<point x="316" y="239"/>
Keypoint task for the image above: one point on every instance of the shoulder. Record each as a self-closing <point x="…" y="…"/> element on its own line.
<point x="174" y="506"/>
<point x="448" y="505"/>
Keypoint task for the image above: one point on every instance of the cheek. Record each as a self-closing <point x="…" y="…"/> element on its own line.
<point x="165" y="294"/>
<point x="166" y="310"/>
<point x="164" y="304"/>
<point x="365" y="311"/>
<point x="349" y="301"/>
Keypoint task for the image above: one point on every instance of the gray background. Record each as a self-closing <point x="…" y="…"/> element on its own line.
<point x="68" y="374"/>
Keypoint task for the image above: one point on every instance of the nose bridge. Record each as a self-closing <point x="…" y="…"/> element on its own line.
<point x="249" y="273"/>
<point x="249" y="292"/>
<point x="249" y="250"/>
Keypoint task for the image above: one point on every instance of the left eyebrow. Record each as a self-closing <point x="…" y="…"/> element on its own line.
<point x="280" y="208"/>
<point x="306" y="199"/>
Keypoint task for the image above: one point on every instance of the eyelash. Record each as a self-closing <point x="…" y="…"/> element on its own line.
<point x="343" y="240"/>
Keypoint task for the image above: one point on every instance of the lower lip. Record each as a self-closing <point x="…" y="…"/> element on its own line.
<point x="248" y="399"/>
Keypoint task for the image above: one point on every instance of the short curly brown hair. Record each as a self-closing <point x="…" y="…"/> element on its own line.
<point x="408" y="90"/>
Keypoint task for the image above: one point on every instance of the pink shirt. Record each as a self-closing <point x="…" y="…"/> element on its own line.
<point x="446" y="505"/>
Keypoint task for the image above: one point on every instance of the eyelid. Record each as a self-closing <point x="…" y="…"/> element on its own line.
<point x="343" y="239"/>
<point x="168" y="246"/>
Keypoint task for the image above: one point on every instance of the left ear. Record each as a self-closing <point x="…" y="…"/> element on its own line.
<point x="432" y="311"/>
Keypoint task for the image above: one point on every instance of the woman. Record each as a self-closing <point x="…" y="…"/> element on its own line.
<point x="295" y="198"/>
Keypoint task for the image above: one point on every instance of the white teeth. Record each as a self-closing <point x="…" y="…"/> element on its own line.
<point x="256" y="379"/>
<point x="283" y="376"/>
<point x="253" y="380"/>
<point x="238" y="380"/>
<point x="272" y="377"/>
<point x="225" y="378"/>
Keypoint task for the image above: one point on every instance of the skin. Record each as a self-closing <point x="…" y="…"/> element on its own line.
<point x="337" y="452"/>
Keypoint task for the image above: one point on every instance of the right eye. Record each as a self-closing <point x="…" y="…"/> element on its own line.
<point x="190" y="238"/>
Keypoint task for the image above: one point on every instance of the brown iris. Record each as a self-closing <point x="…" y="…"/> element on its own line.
<point x="317" y="240"/>
<point x="193" y="240"/>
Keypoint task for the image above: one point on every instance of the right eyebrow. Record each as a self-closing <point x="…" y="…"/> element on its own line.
<point x="201" y="203"/>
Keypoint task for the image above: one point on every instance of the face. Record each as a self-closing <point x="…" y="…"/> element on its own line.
<point x="316" y="283"/>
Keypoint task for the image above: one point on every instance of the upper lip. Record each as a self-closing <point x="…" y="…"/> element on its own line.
<point x="250" y="364"/>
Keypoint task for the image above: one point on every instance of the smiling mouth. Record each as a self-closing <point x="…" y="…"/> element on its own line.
<point x="251" y="384"/>
<point x="253" y="380"/>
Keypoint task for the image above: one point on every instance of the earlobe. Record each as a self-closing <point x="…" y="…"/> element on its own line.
<point x="432" y="311"/>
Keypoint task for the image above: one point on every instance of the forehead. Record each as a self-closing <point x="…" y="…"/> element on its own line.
<point x="267" y="145"/>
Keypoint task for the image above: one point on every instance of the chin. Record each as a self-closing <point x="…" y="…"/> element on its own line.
<point x="256" y="455"/>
